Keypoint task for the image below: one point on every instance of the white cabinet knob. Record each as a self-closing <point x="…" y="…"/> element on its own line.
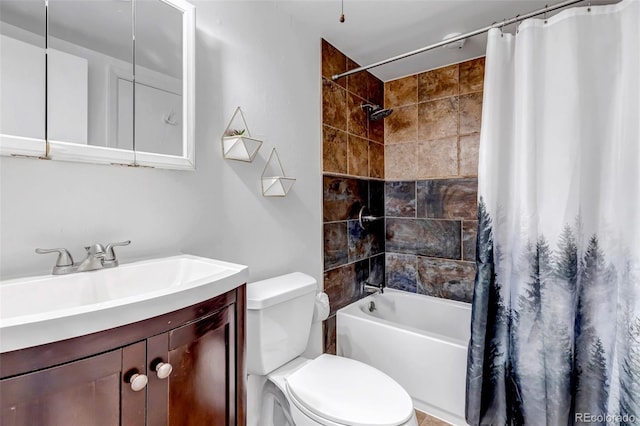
<point x="163" y="370"/>
<point x="138" y="382"/>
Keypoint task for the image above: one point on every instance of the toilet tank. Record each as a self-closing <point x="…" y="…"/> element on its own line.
<point x="279" y="314"/>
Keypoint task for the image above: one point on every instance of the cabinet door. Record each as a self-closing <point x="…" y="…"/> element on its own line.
<point x="201" y="389"/>
<point x="85" y="392"/>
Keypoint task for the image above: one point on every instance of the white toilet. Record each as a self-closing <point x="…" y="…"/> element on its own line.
<point x="287" y="389"/>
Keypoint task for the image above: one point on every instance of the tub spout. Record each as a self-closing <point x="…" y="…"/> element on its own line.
<point x="368" y="288"/>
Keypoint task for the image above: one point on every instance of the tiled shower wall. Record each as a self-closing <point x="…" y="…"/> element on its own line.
<point x="353" y="169"/>
<point x="417" y="168"/>
<point x="431" y="157"/>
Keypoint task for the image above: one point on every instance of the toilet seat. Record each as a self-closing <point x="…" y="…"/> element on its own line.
<point x="336" y="390"/>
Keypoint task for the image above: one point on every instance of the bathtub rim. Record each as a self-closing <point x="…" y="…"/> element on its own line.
<point x="357" y="309"/>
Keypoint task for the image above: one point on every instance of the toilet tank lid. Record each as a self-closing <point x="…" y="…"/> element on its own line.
<point x="265" y="293"/>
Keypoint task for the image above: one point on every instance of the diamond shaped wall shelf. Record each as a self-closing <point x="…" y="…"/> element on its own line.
<point x="278" y="185"/>
<point x="237" y="143"/>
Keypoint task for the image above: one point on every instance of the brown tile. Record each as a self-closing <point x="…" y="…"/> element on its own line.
<point x="469" y="236"/>
<point x="333" y="62"/>
<point x="334" y="150"/>
<point x="472" y="76"/>
<point x="448" y="198"/>
<point x="357" y="119"/>
<point x="438" y="119"/>
<point x="334" y="105"/>
<point x="470" y="113"/>
<point x="438" y="83"/>
<point x="376" y="130"/>
<point x="343" y="197"/>
<point x="438" y="158"/>
<point x="342" y="284"/>
<point x="402" y="125"/>
<point x="329" y="335"/>
<point x="469" y="146"/>
<point x="376" y="160"/>
<point x="403" y="91"/>
<point x="401" y="161"/>
<point x="449" y="279"/>
<point x="336" y="244"/>
<point x="376" y="89"/>
<point x="358" y="156"/>
<point x="357" y="83"/>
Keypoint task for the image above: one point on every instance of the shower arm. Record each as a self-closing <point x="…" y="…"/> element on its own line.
<point x="502" y="24"/>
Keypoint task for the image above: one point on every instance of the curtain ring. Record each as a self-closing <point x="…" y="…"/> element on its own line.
<point x="517" y="24"/>
<point x="589" y="7"/>
<point x="545" y="13"/>
<point x="502" y="28"/>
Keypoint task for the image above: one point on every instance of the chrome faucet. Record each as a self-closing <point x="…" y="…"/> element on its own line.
<point x="367" y="288"/>
<point x="98" y="257"/>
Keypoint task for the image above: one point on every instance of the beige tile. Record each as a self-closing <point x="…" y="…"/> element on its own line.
<point x="438" y="83"/>
<point x="469" y="147"/>
<point x="401" y="161"/>
<point x="333" y="62"/>
<point x="357" y="119"/>
<point x="472" y="76"/>
<point x="376" y="160"/>
<point x="420" y="416"/>
<point x="334" y="150"/>
<point x="438" y="158"/>
<point x="403" y="91"/>
<point x="438" y="119"/>
<point x="470" y="113"/>
<point x="334" y="105"/>
<point x="402" y="125"/>
<point x="358" y="156"/>
<point x="432" y="421"/>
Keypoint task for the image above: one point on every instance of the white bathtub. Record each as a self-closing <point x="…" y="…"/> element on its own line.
<point x="420" y="341"/>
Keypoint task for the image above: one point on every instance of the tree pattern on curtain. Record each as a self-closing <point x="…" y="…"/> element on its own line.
<point x="544" y="352"/>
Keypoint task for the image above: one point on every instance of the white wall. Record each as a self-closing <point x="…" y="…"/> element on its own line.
<point x="248" y="54"/>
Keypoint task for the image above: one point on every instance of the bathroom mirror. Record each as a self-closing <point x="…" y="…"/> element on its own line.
<point x="22" y="77"/>
<point x="109" y="99"/>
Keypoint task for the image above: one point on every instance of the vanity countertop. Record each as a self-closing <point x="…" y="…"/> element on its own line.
<point x="49" y="308"/>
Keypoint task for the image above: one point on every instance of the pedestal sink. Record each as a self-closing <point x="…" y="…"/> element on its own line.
<point x="44" y="309"/>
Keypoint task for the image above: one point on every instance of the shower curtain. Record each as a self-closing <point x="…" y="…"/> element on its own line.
<point x="556" y="311"/>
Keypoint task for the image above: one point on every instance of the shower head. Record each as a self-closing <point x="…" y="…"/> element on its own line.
<point x="376" y="112"/>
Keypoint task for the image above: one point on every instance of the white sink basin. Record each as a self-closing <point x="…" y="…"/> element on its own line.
<point x="48" y="308"/>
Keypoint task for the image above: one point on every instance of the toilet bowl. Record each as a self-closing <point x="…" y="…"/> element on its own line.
<point x="288" y="389"/>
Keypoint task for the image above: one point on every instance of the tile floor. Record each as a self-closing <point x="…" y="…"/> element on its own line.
<point x="426" y="420"/>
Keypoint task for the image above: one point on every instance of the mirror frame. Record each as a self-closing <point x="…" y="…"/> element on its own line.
<point x="16" y="146"/>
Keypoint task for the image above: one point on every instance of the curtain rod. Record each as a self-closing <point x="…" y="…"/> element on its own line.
<point x="460" y="37"/>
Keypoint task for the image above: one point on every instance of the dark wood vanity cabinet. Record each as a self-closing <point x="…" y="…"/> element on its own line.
<point x="86" y="380"/>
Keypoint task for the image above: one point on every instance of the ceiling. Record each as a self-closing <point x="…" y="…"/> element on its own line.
<point x="375" y="30"/>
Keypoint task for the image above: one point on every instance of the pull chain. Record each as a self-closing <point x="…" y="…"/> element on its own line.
<point x="342" y="11"/>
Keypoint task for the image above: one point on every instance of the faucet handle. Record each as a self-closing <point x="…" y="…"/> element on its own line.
<point x="95" y="250"/>
<point x="110" y="260"/>
<point x="64" y="257"/>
